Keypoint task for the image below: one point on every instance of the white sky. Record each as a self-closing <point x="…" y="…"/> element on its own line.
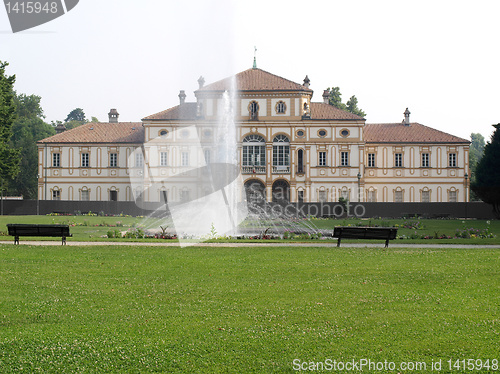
<point x="439" y="58"/>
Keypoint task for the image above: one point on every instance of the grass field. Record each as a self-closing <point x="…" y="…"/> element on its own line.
<point x="94" y="228"/>
<point x="244" y="310"/>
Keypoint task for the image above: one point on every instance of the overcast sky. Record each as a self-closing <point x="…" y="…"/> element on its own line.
<point x="438" y="58"/>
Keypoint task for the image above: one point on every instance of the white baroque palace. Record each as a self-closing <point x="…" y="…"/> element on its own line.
<point x="307" y="151"/>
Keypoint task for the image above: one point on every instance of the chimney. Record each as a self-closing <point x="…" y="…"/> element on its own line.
<point x="201" y="81"/>
<point x="60" y="128"/>
<point x="113" y="116"/>
<point x="182" y="96"/>
<point x="307" y="82"/>
<point x="406" y="121"/>
<point x="326" y="96"/>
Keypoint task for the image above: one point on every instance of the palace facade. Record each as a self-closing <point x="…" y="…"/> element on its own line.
<point x="289" y="148"/>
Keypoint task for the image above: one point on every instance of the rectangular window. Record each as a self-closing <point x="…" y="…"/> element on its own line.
<point x="56" y="160"/>
<point x="372" y="196"/>
<point x="453" y="196"/>
<point x="398" y="196"/>
<point x="398" y="160"/>
<point x="371" y="160"/>
<point x="139" y="160"/>
<point x="322" y="196"/>
<point x="184" y="159"/>
<point x="113" y="195"/>
<point x="344" y="158"/>
<point x="56" y="195"/>
<point x="452" y="160"/>
<point x="254" y="155"/>
<point x="163" y="158"/>
<point x="426" y="196"/>
<point x="425" y="160"/>
<point x="322" y="159"/>
<point x="113" y="160"/>
<point x="85" y="160"/>
<point x="280" y="155"/>
<point x="85" y="195"/>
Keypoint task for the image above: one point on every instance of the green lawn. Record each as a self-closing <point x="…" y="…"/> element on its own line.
<point x="83" y="228"/>
<point x="243" y="310"/>
<point x="95" y="228"/>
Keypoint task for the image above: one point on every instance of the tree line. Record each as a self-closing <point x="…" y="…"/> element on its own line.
<point x="22" y="124"/>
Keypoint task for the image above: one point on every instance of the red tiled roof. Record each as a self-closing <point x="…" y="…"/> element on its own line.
<point x="255" y="80"/>
<point x="186" y="111"/>
<point x="399" y="133"/>
<point x="327" y="111"/>
<point x="101" y="132"/>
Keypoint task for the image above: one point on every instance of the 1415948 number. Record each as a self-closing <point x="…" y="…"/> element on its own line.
<point x="473" y="364"/>
<point x="31" y="7"/>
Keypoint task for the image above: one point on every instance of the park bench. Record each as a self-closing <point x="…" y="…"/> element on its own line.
<point x="16" y="230"/>
<point x="383" y="233"/>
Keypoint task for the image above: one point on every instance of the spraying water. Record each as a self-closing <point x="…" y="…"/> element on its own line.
<point x="211" y="186"/>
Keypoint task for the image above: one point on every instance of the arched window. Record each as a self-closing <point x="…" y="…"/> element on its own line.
<point x="253" y="109"/>
<point x="426" y="195"/>
<point x="452" y="195"/>
<point x="254" y="154"/>
<point x="281" y="191"/>
<point x="281" y="154"/>
<point x="255" y="192"/>
<point x="138" y="194"/>
<point x="345" y="193"/>
<point x="300" y="161"/>
<point x="84" y="194"/>
<point x="163" y="195"/>
<point x="371" y="195"/>
<point x="398" y="195"/>
<point x="113" y="194"/>
<point x="56" y="193"/>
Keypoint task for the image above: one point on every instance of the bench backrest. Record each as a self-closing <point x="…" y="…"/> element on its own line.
<point x="365" y="232"/>
<point x="18" y="229"/>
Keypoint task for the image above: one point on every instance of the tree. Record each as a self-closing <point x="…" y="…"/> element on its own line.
<point x="9" y="156"/>
<point x="487" y="176"/>
<point x="76" y="115"/>
<point x="28" y="128"/>
<point x="476" y="151"/>
<point x="75" y="118"/>
<point x="352" y="106"/>
<point x="335" y="99"/>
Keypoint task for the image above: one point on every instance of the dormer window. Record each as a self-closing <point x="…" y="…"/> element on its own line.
<point x="253" y="109"/>
<point x="280" y="107"/>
